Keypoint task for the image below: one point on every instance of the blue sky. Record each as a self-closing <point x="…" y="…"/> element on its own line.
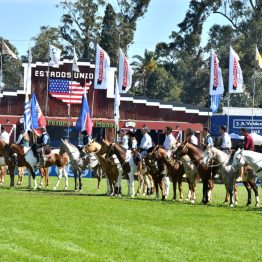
<point x="21" y="20"/>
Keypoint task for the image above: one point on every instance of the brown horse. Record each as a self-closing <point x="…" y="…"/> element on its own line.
<point x="175" y="170"/>
<point x="8" y="151"/>
<point x="205" y="172"/>
<point x="111" y="168"/>
<point x="54" y="159"/>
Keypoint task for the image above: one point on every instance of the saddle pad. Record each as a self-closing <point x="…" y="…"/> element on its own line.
<point x="26" y="149"/>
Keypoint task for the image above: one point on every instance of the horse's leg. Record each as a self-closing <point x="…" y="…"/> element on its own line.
<point x="59" y="177"/>
<point x="174" y="178"/>
<point x="205" y="191"/>
<point x="148" y="185"/>
<point x="253" y="185"/>
<point x="235" y="193"/>
<point x="247" y="186"/>
<point x="11" y="169"/>
<point x="80" y="179"/>
<point x="180" y="188"/>
<point x="99" y="174"/>
<point x="227" y="195"/>
<point x="66" y="178"/>
<point x="42" y="174"/>
<point x="193" y="188"/>
<point x="75" y="178"/>
<point x="131" y="186"/>
<point x="20" y="176"/>
<point x="46" y="177"/>
<point x="162" y="188"/>
<point x="156" y="187"/>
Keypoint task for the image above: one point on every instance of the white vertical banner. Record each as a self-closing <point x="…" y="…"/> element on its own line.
<point x="235" y="83"/>
<point x="75" y="66"/>
<point x="116" y="105"/>
<point x="54" y="54"/>
<point x="124" y="73"/>
<point x="258" y="58"/>
<point x="216" y="80"/>
<point x="102" y="68"/>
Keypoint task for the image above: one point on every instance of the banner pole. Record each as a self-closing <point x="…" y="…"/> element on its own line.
<point x="253" y="100"/>
<point x="47" y="80"/>
<point x="228" y="103"/>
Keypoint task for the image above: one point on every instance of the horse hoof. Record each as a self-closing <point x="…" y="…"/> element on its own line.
<point x="55" y="188"/>
<point x="35" y="188"/>
<point x="192" y="201"/>
<point x="65" y="188"/>
<point x="248" y="203"/>
<point x="231" y="205"/>
<point x="180" y="199"/>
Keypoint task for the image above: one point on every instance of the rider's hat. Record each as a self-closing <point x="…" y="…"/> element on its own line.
<point x="169" y="129"/>
<point x="145" y="129"/>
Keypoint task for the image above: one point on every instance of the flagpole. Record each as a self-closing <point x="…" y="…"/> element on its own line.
<point x="47" y="80"/>
<point x="228" y="103"/>
<point x="1" y="73"/>
<point x="69" y="106"/>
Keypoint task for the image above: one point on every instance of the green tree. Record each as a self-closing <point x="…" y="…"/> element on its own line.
<point x="109" y="39"/>
<point x="48" y="35"/>
<point x="143" y="67"/>
<point x="162" y="85"/>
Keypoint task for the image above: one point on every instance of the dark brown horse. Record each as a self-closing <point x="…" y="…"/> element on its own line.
<point x="205" y="172"/>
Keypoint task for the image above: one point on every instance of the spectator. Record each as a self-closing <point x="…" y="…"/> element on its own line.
<point x="4" y="135"/>
<point x="248" y="140"/>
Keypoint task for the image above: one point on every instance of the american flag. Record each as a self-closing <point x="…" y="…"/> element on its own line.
<point x="69" y="92"/>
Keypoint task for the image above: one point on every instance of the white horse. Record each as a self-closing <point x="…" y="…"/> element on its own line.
<point x="74" y="156"/>
<point x="229" y="173"/>
<point x="254" y="159"/>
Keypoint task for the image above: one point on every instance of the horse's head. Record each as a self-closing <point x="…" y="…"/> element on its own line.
<point x="92" y="147"/>
<point x="238" y="159"/>
<point x="159" y="152"/>
<point x="208" y="155"/>
<point x="181" y="150"/>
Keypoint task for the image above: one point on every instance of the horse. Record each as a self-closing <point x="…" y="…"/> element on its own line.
<point x="175" y="169"/>
<point x="196" y="156"/>
<point x="254" y="159"/>
<point x="229" y="174"/>
<point x="127" y="162"/>
<point x="74" y="156"/>
<point x="54" y="158"/>
<point x="91" y="161"/>
<point x="8" y="151"/>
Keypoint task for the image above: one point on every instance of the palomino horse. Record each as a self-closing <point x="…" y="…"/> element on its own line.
<point x="196" y="155"/>
<point x="214" y="156"/>
<point x="74" y="156"/>
<point x="247" y="157"/>
<point x="8" y="151"/>
<point x="61" y="161"/>
<point x="111" y="166"/>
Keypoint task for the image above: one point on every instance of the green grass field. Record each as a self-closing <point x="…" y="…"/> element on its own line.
<point x="67" y="226"/>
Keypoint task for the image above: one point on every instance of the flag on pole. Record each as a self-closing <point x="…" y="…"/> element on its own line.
<point x="215" y="101"/>
<point x="116" y="105"/>
<point x="124" y="73"/>
<point x="67" y="91"/>
<point x="54" y="54"/>
<point x="84" y="121"/>
<point x="7" y="51"/>
<point x="38" y="119"/>
<point x="102" y="68"/>
<point x="258" y="58"/>
<point x="75" y="66"/>
<point x="216" y="80"/>
<point x="27" y="114"/>
<point x="235" y="83"/>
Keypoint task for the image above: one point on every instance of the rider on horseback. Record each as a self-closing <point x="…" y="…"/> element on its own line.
<point x="43" y="145"/>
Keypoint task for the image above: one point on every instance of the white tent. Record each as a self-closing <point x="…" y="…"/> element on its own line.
<point x="236" y="136"/>
<point x="257" y="139"/>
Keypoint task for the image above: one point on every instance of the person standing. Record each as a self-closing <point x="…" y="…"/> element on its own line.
<point x="4" y="135"/>
<point x="191" y="136"/>
<point x="146" y="141"/>
<point x="170" y="139"/>
<point x="248" y="139"/>
<point x="123" y="139"/>
<point x="6" y="138"/>
<point x="226" y="143"/>
<point x="207" y="138"/>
